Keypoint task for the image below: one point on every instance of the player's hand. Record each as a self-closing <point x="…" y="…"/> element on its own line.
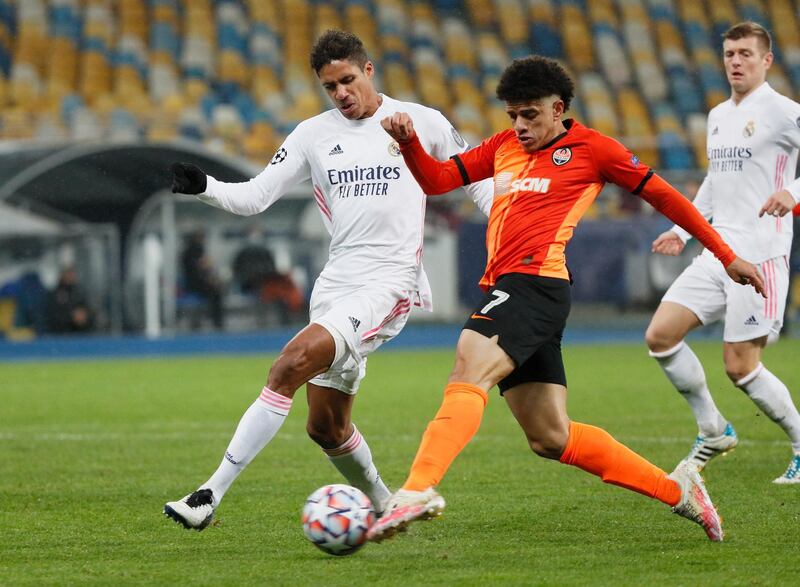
<point x="668" y="243"/>
<point x="399" y="126"/>
<point x="187" y="179"/>
<point x="779" y="204"/>
<point x="747" y="274"/>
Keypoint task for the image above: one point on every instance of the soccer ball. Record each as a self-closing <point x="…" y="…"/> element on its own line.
<point x="336" y="519"/>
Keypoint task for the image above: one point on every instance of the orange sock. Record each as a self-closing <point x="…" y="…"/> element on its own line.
<point x="594" y="450"/>
<point x="456" y="422"/>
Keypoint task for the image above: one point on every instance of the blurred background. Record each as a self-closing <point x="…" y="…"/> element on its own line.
<point x="100" y="96"/>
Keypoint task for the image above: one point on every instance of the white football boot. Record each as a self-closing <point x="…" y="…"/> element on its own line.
<point x="404" y="507"/>
<point x="792" y="474"/>
<point x="695" y="504"/>
<point x="708" y="447"/>
<point x="194" y="511"/>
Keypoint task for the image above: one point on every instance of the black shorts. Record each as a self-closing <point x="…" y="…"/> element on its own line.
<point x="528" y="313"/>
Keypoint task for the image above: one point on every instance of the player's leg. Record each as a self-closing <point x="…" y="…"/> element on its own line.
<point x="743" y="366"/>
<point x="751" y="322"/>
<point x="522" y="311"/>
<point x="480" y="364"/>
<point x="308" y="354"/>
<point x="330" y="426"/>
<point x="540" y="409"/>
<point x="697" y="297"/>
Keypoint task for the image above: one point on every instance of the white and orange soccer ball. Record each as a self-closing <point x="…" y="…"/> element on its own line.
<point x="336" y="519"/>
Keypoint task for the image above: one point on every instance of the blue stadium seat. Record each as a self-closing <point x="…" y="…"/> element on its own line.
<point x="675" y="153"/>
<point x="544" y="40"/>
<point x="684" y="92"/>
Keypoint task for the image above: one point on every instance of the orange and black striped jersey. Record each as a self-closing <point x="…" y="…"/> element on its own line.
<point x="540" y="196"/>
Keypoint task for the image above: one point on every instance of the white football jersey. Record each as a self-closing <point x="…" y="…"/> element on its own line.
<point x="369" y="201"/>
<point x="752" y="153"/>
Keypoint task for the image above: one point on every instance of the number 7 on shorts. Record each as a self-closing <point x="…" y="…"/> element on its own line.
<point x="501" y="297"/>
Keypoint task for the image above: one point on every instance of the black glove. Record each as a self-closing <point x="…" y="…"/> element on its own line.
<point x="187" y="179"/>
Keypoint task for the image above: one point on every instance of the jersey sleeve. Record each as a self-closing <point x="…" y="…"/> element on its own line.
<point x="616" y="164"/>
<point x="791" y="136"/>
<point x="702" y="201"/>
<point x="445" y="143"/>
<point x="288" y="167"/>
<point x="439" y="177"/>
<point x="669" y="201"/>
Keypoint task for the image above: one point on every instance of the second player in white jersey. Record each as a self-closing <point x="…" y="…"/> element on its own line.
<point x="374" y="211"/>
<point x="752" y="143"/>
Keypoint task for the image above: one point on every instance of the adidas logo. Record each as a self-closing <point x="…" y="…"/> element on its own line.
<point x="337" y="150"/>
<point x="751" y="321"/>
<point x="715" y="131"/>
<point x="355" y="322"/>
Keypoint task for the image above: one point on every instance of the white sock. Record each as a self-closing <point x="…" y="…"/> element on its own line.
<point x="258" y="426"/>
<point x="683" y="369"/>
<point x="354" y="460"/>
<point x="773" y="398"/>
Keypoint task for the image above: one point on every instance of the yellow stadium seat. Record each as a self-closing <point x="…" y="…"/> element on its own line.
<point x="577" y="38"/>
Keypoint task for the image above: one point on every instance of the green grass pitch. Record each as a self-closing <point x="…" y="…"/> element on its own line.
<point x="91" y="450"/>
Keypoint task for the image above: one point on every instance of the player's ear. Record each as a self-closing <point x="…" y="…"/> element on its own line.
<point x="369" y="69"/>
<point x="768" y="59"/>
<point x="558" y="108"/>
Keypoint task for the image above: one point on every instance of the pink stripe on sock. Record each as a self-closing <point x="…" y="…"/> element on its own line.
<point x="280" y="404"/>
<point x="350" y="445"/>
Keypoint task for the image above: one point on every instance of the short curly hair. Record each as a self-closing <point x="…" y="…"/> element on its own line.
<point x="335" y="45"/>
<point x="532" y="78"/>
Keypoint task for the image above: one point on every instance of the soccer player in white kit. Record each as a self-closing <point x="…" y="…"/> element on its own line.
<point x="374" y="210"/>
<point x="752" y="143"/>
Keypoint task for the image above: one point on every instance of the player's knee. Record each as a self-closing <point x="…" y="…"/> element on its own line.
<point x="736" y="370"/>
<point x="659" y="339"/>
<point x="549" y="445"/>
<point x="326" y="435"/>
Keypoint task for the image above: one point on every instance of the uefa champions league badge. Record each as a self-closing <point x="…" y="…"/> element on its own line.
<point x="280" y="156"/>
<point x="562" y="156"/>
<point x="394" y="149"/>
<point x="635" y="161"/>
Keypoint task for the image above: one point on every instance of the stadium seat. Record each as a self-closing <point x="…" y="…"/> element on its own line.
<point x="132" y="55"/>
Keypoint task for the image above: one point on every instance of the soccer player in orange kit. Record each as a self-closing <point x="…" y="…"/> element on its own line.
<point x="547" y="171"/>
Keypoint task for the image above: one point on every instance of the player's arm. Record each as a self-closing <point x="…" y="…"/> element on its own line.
<point x="618" y="165"/>
<point x="434" y="176"/>
<point x="703" y="202"/>
<point x="669" y="201"/>
<point x="445" y="142"/>
<point x="287" y="168"/>
<point x="787" y="199"/>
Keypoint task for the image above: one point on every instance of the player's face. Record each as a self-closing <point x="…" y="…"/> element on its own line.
<point x="746" y="64"/>
<point x="350" y="88"/>
<point x="536" y="123"/>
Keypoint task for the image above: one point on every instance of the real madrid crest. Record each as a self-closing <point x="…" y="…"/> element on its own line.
<point x="394" y="149"/>
<point x="562" y="156"/>
<point x="749" y="129"/>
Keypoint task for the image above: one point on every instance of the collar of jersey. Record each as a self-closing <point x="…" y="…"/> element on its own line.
<point x="568" y="124"/>
<point x="753" y="96"/>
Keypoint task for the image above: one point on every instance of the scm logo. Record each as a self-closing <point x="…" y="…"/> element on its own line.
<point x="531" y="184"/>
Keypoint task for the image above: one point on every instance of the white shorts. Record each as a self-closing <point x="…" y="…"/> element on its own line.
<point x="360" y="320"/>
<point x="705" y="288"/>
